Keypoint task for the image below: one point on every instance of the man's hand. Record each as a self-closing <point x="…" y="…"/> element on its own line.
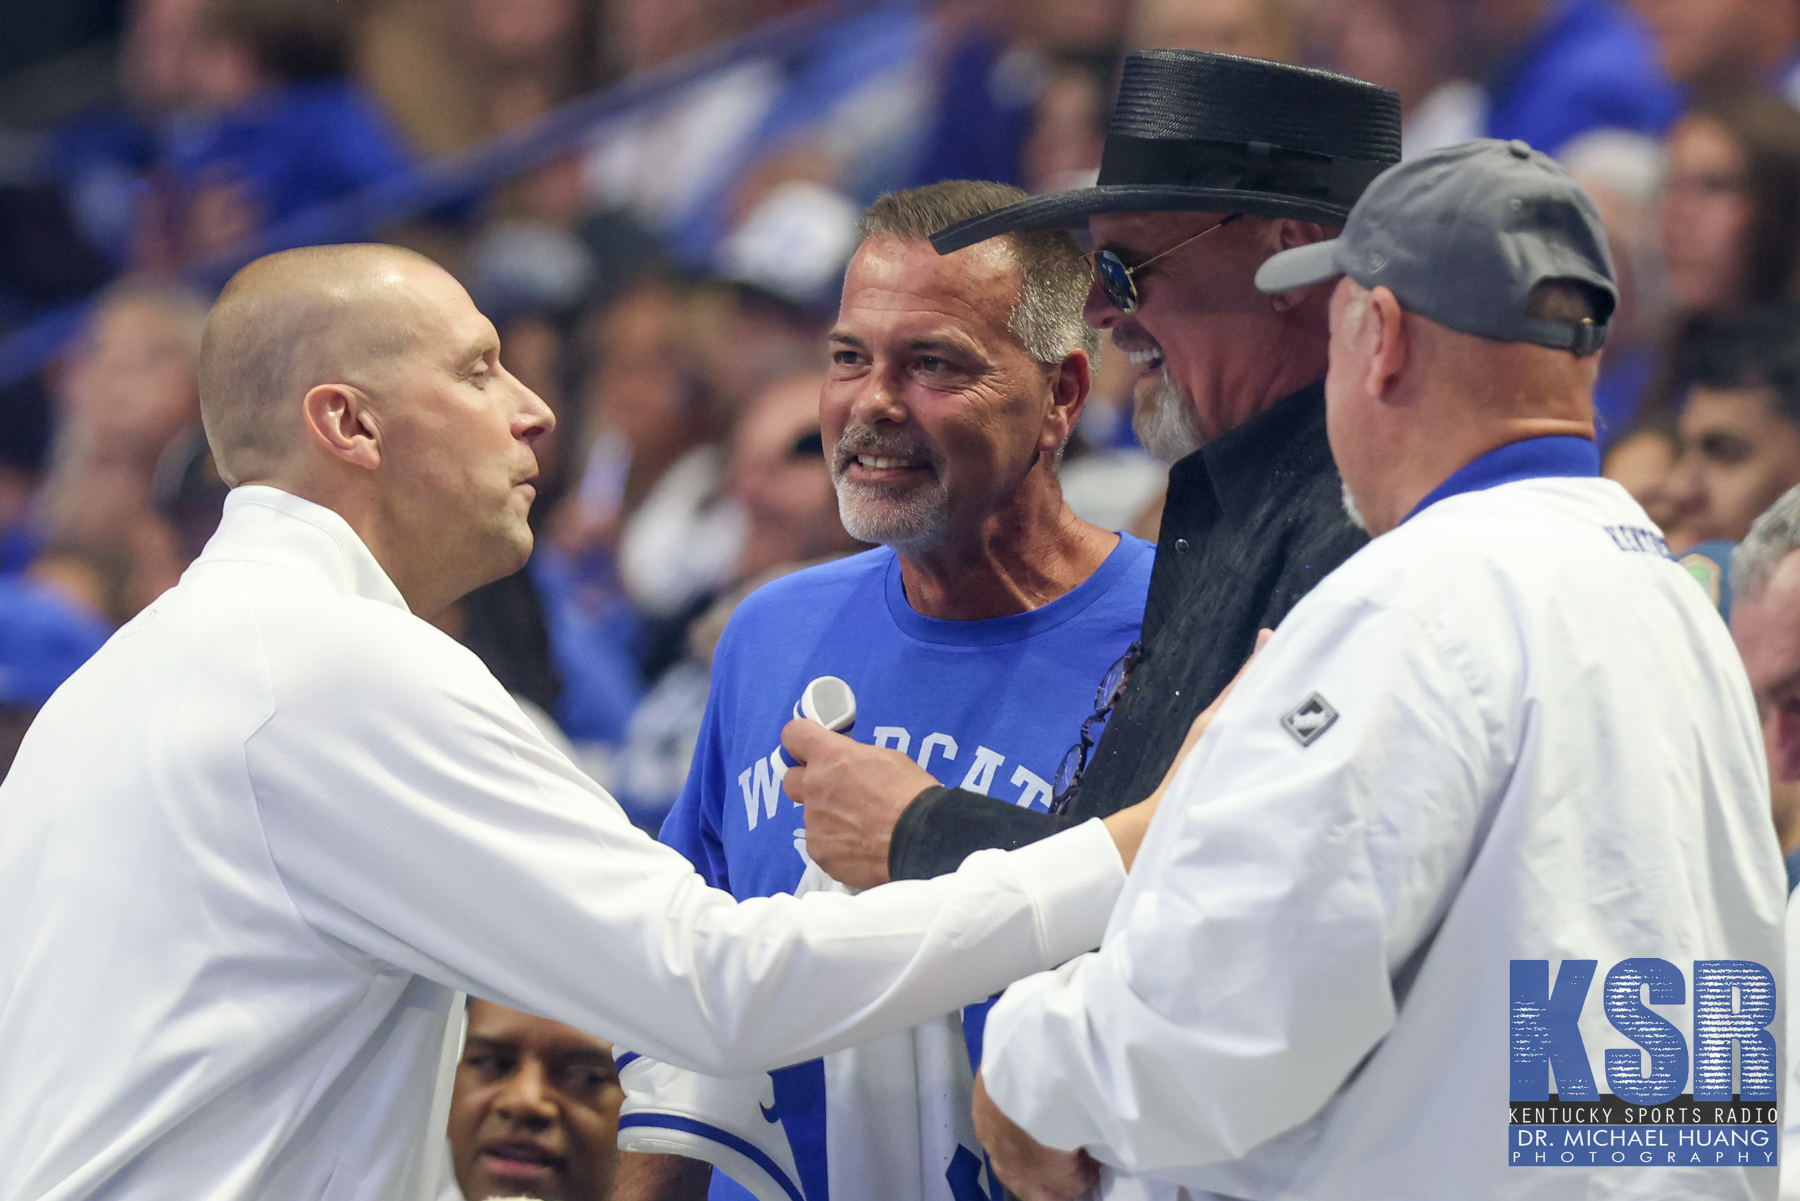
<point x="1025" y="1166"/>
<point x="853" y="795"/>
<point x="1127" y="826"/>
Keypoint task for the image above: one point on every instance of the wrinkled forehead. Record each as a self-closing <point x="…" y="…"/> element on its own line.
<point x="904" y="287"/>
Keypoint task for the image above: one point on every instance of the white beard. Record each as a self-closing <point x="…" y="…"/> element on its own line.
<point x="1355" y="513"/>
<point x="1164" y="421"/>
<point x="915" y="522"/>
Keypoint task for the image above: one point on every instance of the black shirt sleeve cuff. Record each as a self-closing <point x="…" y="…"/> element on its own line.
<point x="943" y="826"/>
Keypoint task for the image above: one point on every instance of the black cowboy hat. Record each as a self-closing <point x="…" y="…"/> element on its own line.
<point x="1219" y="133"/>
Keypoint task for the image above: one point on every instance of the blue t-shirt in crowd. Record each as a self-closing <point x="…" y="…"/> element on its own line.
<point x="1589" y="65"/>
<point x="291" y="147"/>
<point x="44" y="639"/>
<point x="986" y="705"/>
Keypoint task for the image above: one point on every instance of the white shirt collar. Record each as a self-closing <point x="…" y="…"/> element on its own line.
<point x="266" y="525"/>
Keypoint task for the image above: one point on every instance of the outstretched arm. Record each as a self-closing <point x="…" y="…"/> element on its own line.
<point x="873" y="814"/>
<point x="437" y="832"/>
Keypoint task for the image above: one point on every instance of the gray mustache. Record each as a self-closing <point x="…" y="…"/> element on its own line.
<point x="871" y="440"/>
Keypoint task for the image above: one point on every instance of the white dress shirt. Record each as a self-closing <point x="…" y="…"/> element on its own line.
<point x="252" y="850"/>
<point x="1544" y="748"/>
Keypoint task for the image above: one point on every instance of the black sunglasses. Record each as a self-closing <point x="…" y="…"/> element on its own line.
<point x="1074" y="761"/>
<point x="1116" y="279"/>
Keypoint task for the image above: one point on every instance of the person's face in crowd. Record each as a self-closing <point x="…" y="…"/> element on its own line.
<point x="1643" y="463"/>
<point x="639" y="391"/>
<point x="1738" y="454"/>
<point x="1255" y="28"/>
<point x="932" y="412"/>
<point x="457" y="471"/>
<point x="778" y="473"/>
<point x="1766" y="628"/>
<point x="1411" y="46"/>
<point x="1067" y="26"/>
<point x="1495" y="27"/>
<point x="515" y="32"/>
<point x="1709" y="42"/>
<point x="130" y="384"/>
<point x="535" y="1110"/>
<point x="1705" y="216"/>
<point x="1367" y="39"/>
<point x="1067" y="134"/>
<point x="1202" y="336"/>
<point x="154" y="57"/>
<point x="648" y="33"/>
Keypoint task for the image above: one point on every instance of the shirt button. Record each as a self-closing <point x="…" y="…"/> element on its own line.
<point x="1181" y="544"/>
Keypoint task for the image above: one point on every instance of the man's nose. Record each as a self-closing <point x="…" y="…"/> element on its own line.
<point x="1684" y="487"/>
<point x="1099" y="311"/>
<point x="525" y="1096"/>
<point x="878" y="401"/>
<point x="535" y="419"/>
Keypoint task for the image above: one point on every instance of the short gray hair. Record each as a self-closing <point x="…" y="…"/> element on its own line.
<point x="1053" y="276"/>
<point x="1772" y="537"/>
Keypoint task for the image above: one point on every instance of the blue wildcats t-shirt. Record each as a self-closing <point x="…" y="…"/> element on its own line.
<point x="986" y="705"/>
<point x="989" y="705"/>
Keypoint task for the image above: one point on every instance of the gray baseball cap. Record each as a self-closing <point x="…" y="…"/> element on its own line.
<point x="1461" y="236"/>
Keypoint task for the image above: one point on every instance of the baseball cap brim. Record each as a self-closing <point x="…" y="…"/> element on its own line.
<point x="1301" y="267"/>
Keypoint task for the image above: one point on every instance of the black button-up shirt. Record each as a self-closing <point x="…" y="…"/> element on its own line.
<point x="1252" y="522"/>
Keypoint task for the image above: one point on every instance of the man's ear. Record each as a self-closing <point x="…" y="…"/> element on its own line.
<point x="1285" y="233"/>
<point x="339" y="418"/>
<point x="1289" y="233"/>
<point x="1385" y="323"/>
<point x="1069" y="386"/>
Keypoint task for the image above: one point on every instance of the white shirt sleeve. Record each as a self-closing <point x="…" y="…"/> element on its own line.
<point x="1249" y="966"/>
<point x="420" y="822"/>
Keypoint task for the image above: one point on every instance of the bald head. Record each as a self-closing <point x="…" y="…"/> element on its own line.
<point x="291" y="321"/>
<point x="1480" y="378"/>
<point x="364" y="379"/>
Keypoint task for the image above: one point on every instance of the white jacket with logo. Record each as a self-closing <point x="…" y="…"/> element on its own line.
<point x="1544" y="748"/>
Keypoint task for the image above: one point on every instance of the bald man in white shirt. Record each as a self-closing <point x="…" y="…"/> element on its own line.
<point x="250" y="853"/>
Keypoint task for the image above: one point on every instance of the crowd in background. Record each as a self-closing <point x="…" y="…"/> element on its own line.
<point x="664" y="281"/>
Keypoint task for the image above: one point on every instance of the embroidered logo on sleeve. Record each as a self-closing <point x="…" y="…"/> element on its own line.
<point x="1312" y="718"/>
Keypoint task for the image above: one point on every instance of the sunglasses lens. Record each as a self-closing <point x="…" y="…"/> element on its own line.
<point x="1115" y="281"/>
<point x="1111" y="687"/>
<point x="1066" y="771"/>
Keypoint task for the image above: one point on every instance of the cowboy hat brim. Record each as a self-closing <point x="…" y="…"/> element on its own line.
<point x="1070" y="210"/>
